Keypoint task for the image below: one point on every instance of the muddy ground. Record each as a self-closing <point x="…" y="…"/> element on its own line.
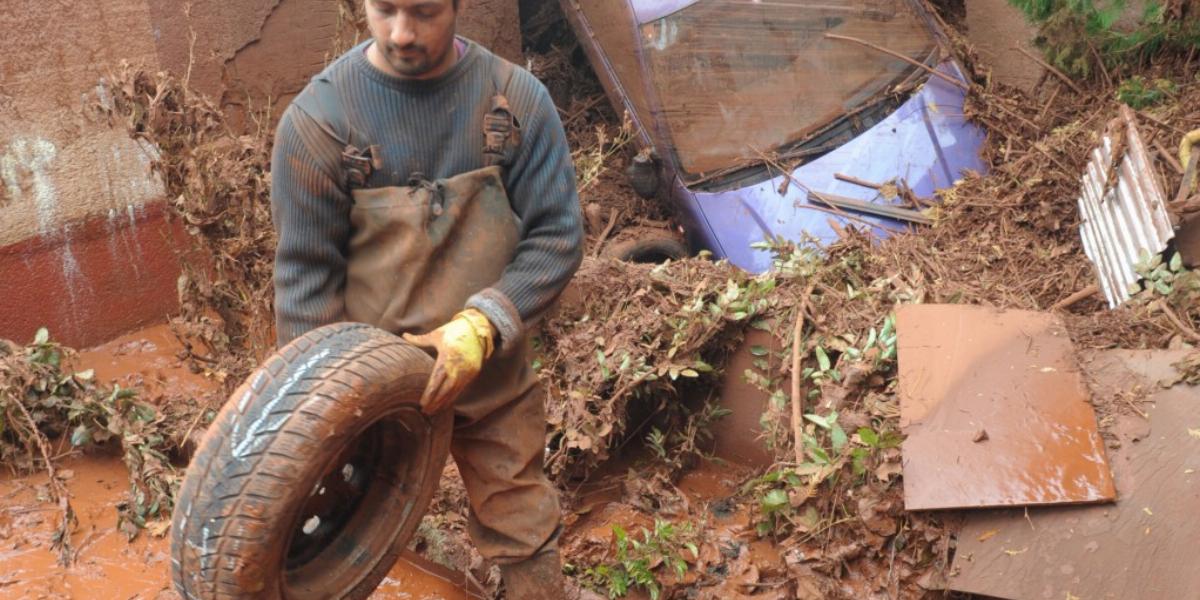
<point x="733" y="531"/>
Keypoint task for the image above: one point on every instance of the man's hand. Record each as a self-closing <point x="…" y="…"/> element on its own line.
<point x="461" y="346"/>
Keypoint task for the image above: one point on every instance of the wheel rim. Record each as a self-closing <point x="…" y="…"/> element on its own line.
<point x="339" y="536"/>
<point x="334" y="500"/>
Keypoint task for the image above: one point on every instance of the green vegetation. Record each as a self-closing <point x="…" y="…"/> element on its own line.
<point x="1139" y="93"/>
<point x="1081" y="37"/>
<point x="782" y="493"/>
<point x="636" y="560"/>
<point x="43" y="399"/>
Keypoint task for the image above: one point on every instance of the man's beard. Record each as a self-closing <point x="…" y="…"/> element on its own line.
<point x="412" y="61"/>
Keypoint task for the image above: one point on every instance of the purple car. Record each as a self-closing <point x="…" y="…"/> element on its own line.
<point x="746" y="110"/>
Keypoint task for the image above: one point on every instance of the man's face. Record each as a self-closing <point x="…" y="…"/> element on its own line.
<point x="413" y="37"/>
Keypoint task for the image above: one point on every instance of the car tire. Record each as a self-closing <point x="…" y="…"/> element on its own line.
<point x="314" y="475"/>
<point x="646" y="245"/>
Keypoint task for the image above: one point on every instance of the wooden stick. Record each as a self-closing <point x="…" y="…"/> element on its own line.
<point x="857" y="181"/>
<point x="1071" y="300"/>
<point x="1046" y="108"/>
<point x="797" y="400"/>
<point x="1166" y="156"/>
<point x="1186" y="331"/>
<point x="879" y="210"/>
<point x="612" y="221"/>
<point x="935" y="72"/>
<point x="837" y="212"/>
<point x="1189" y="175"/>
<point x="1049" y="67"/>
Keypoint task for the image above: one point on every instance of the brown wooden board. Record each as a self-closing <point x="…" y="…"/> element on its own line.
<point x="1144" y="546"/>
<point x="995" y="411"/>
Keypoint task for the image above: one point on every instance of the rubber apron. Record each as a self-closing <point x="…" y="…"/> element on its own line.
<point x="418" y="252"/>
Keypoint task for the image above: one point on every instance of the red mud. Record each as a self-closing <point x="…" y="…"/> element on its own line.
<point x="110" y="567"/>
<point x="107" y="565"/>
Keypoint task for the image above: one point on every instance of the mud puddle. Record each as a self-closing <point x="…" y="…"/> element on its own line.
<point x="107" y="565"/>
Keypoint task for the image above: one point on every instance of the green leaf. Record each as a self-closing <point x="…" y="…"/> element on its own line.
<point x="838" y="437"/>
<point x="758" y="350"/>
<point x="858" y="460"/>
<point x="41" y="337"/>
<point x="81" y="435"/>
<point x="822" y="359"/>
<point x="1176" y="263"/>
<point x="868" y="436"/>
<point x="819" y="454"/>
<point x="774" y="500"/>
<point x="819" y="420"/>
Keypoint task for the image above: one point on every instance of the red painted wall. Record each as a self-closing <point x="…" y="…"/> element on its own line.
<point x="92" y="280"/>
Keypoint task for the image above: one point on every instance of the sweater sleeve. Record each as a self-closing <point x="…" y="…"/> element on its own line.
<point x="541" y="188"/>
<point x="310" y="211"/>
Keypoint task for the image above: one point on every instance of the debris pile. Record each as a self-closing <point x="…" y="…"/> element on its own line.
<point x="218" y="184"/>
<point x="48" y="409"/>
<point x="632" y="356"/>
<point x="651" y="329"/>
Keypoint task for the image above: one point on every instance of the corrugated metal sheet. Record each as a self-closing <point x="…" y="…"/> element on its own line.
<point x="1119" y="224"/>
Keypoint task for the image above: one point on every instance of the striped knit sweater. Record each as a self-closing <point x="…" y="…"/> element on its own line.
<point x="434" y="128"/>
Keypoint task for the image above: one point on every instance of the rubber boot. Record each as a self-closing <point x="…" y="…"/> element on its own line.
<point x="541" y="578"/>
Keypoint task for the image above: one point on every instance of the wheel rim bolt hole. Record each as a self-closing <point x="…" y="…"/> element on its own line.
<point x="311" y="525"/>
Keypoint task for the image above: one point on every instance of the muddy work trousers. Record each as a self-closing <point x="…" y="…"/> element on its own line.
<point x="499" y="443"/>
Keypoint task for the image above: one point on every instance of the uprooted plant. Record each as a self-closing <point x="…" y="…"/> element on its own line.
<point x="651" y="330"/>
<point x="45" y="404"/>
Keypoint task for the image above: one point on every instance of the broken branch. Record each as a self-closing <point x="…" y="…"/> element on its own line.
<point x="957" y="82"/>
<point x="1045" y="65"/>
<point x="612" y="222"/>
<point x="1071" y="300"/>
<point x="857" y="181"/>
<point x="1183" y="328"/>
<point x="797" y="400"/>
<point x="880" y="210"/>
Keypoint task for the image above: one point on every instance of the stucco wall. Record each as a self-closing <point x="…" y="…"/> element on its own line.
<point x="74" y="224"/>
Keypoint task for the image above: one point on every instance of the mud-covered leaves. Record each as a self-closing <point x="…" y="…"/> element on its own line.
<point x="218" y="183"/>
<point x="41" y="398"/>
<point x="639" y="333"/>
<point x="640" y="563"/>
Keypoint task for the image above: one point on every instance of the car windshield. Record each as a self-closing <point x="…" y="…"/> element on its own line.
<point x="737" y="79"/>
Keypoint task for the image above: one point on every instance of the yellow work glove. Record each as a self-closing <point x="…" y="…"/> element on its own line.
<point x="461" y="346"/>
<point x="1185" y="150"/>
<point x="1185" y="146"/>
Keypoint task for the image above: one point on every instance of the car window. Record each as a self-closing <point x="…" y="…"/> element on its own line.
<point x="738" y="77"/>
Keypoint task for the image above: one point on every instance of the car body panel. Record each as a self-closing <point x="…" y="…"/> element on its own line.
<point x="925" y="141"/>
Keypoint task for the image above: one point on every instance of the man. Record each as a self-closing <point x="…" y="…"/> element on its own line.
<point x="425" y="186"/>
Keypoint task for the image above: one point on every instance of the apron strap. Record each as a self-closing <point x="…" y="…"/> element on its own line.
<point x="501" y="131"/>
<point x="321" y="101"/>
